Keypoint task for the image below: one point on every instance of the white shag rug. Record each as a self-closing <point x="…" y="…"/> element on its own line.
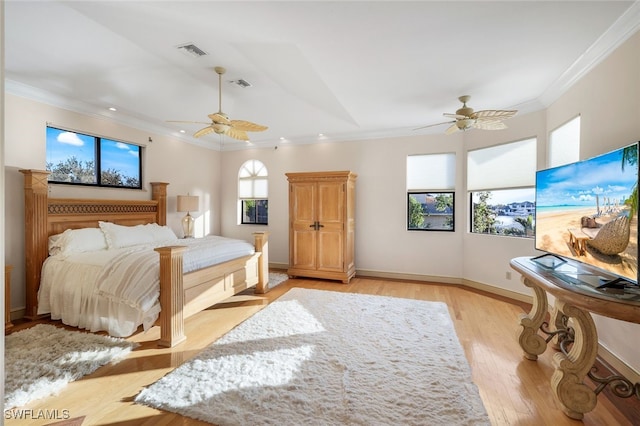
<point x="329" y="358"/>
<point x="41" y="360"/>
<point x="276" y="278"/>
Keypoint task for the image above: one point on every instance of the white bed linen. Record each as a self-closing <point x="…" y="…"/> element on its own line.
<point x="91" y="290"/>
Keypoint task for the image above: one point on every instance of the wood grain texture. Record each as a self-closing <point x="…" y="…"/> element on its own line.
<point x="183" y="295"/>
<point x="515" y="391"/>
<point x="322" y="225"/>
<point x="573" y="305"/>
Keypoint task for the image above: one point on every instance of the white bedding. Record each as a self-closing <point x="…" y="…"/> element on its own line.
<point x="117" y="290"/>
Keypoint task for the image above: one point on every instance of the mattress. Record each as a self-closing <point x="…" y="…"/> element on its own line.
<point x="118" y="290"/>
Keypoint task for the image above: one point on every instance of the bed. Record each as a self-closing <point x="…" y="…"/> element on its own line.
<point x="182" y="293"/>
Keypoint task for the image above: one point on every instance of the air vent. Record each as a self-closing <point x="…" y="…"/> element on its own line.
<point x="241" y="82"/>
<point x="192" y="50"/>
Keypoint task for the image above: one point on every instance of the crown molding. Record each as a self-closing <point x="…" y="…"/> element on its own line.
<point x="621" y="30"/>
<point x="22" y="90"/>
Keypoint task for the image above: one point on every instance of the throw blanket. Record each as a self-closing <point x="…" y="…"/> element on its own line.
<point x="121" y="292"/>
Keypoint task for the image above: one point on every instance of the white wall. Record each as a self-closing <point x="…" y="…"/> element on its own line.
<point x="187" y="168"/>
<point x="608" y="100"/>
<point x="486" y="258"/>
<point x="382" y="241"/>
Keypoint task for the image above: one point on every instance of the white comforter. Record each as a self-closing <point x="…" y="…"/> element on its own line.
<point x="118" y="290"/>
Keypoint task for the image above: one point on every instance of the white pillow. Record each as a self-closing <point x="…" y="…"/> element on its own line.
<point x="162" y="233"/>
<point x="77" y="241"/>
<point x="119" y="236"/>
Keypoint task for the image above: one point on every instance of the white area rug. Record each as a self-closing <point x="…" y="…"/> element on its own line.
<point x="329" y="358"/>
<point x="276" y="278"/>
<point x="43" y="359"/>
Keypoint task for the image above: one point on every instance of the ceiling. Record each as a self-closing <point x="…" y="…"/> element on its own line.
<point x="346" y="70"/>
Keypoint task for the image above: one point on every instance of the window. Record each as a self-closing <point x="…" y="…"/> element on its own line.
<point x="430" y="196"/>
<point x="252" y="192"/>
<point x="500" y="181"/>
<point x="81" y="159"/>
<point x="564" y="143"/>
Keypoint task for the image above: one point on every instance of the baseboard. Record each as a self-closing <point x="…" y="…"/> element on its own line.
<point x="498" y="291"/>
<point x="279" y="266"/>
<point x="604" y="354"/>
<point x="407" y="277"/>
<point x="619" y="367"/>
<point x="614" y="362"/>
<point x="17" y="314"/>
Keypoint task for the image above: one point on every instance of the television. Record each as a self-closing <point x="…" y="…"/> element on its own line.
<point x="587" y="211"/>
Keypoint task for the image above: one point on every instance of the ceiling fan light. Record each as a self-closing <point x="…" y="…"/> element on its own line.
<point x="465" y="123"/>
<point x="220" y="128"/>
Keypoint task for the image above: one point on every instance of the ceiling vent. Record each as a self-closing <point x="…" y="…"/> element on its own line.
<point x="241" y="82"/>
<point x="192" y="50"/>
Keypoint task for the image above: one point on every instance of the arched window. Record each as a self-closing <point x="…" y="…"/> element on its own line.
<point x="253" y="193"/>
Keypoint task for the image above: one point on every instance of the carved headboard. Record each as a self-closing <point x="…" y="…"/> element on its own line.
<point x="46" y="216"/>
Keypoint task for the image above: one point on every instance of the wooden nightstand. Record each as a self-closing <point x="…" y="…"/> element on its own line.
<point x="7" y="297"/>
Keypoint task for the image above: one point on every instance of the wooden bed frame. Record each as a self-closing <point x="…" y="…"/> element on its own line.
<point x="181" y="295"/>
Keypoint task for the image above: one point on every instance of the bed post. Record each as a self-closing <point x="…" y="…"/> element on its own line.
<point x="261" y="242"/>
<point x="171" y="296"/>
<point x="159" y="194"/>
<point x="36" y="234"/>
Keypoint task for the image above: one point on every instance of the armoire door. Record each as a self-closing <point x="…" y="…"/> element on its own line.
<point x="330" y="234"/>
<point x="302" y="214"/>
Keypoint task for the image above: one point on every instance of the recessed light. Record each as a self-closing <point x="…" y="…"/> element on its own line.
<point x="320" y="135"/>
<point x="281" y="138"/>
<point x="112" y="109"/>
<point x="182" y="131"/>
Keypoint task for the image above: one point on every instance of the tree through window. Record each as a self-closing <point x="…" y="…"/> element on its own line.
<point x="81" y="159"/>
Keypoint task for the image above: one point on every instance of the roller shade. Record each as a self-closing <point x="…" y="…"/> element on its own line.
<point x="564" y="144"/>
<point x="431" y="171"/>
<point x="509" y="165"/>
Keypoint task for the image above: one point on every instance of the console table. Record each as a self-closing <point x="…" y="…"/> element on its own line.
<point x="574" y="285"/>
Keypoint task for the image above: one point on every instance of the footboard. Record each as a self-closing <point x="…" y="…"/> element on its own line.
<point x="183" y="295"/>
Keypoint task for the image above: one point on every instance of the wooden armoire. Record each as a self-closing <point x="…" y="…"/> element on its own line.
<point x="322" y="225"/>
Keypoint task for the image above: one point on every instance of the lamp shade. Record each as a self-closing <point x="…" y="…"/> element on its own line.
<point x="188" y="203"/>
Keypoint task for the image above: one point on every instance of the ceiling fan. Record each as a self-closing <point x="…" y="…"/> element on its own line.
<point x="220" y="122"/>
<point x="466" y="118"/>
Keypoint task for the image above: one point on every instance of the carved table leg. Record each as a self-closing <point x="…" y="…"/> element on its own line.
<point x="558" y="326"/>
<point x="572" y="395"/>
<point x="531" y="343"/>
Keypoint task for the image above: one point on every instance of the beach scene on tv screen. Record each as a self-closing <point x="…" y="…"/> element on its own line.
<point x="587" y="211"/>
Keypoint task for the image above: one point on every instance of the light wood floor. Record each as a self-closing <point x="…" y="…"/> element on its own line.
<point x="515" y="391"/>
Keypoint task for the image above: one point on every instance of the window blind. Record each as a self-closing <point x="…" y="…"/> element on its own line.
<point x="564" y="143"/>
<point x="431" y="171"/>
<point x="510" y="165"/>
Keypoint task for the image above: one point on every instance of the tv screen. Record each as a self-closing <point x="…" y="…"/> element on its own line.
<point x="587" y="211"/>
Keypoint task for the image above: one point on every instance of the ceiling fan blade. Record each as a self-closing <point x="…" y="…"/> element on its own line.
<point x="489" y="125"/>
<point x="452" y="129"/>
<point x="237" y="134"/>
<point x="220" y="123"/>
<point x="247" y="126"/>
<point x="433" y="125"/>
<point x="204" y="131"/>
<point x="182" y="121"/>
<point x="220" y="118"/>
<point x="494" y="114"/>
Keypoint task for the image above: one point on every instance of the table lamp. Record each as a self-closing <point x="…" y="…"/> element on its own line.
<point x="188" y="203"/>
